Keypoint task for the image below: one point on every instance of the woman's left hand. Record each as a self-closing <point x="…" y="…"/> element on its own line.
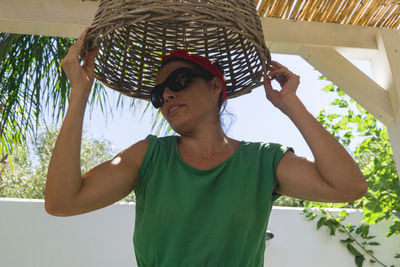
<point x="288" y="81"/>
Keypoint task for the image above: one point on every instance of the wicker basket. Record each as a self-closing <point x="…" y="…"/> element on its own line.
<point x="133" y="35"/>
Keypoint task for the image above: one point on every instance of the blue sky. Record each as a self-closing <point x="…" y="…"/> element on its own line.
<point x="255" y="118"/>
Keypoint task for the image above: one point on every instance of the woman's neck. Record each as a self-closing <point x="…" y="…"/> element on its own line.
<point x="207" y="142"/>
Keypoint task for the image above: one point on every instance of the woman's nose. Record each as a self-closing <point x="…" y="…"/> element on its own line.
<point x="168" y="94"/>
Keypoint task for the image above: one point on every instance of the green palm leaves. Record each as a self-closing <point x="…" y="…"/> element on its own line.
<point x="30" y="81"/>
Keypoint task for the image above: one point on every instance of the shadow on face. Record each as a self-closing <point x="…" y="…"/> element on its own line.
<point x="166" y="70"/>
<point x="198" y="100"/>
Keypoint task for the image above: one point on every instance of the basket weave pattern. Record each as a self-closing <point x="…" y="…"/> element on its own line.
<point x="133" y="35"/>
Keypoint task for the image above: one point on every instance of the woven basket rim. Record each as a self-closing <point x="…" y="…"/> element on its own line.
<point x="247" y="47"/>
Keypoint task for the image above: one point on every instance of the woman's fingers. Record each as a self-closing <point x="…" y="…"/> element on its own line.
<point x="80" y="76"/>
<point x="77" y="47"/>
<point x="281" y="79"/>
<point x="287" y="79"/>
<point x="72" y="56"/>
<point x="276" y="64"/>
<point x="267" y="83"/>
<point x="269" y="91"/>
<point x="281" y="75"/>
<point x="89" y="60"/>
<point x="280" y="72"/>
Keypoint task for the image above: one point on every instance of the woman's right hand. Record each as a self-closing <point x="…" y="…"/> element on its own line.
<point x="80" y="76"/>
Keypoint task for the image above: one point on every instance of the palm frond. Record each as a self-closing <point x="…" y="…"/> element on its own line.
<point x="31" y="82"/>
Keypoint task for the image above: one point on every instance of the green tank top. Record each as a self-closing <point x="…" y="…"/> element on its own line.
<point x="215" y="217"/>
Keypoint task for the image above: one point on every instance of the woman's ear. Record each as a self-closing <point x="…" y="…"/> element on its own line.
<point x="216" y="86"/>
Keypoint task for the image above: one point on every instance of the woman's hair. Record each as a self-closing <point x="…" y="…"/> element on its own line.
<point x="209" y="77"/>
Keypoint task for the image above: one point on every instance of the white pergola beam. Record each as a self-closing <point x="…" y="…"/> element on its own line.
<point x="386" y="69"/>
<point x="289" y="36"/>
<point x="59" y="18"/>
<point x="351" y="80"/>
<point x="67" y="18"/>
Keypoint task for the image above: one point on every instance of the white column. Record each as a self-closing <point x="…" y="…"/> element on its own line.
<point x="386" y="70"/>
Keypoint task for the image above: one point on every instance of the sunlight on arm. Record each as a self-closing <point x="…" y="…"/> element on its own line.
<point x="116" y="161"/>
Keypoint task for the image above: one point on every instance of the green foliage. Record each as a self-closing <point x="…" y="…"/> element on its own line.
<point x="30" y="82"/>
<point x="24" y="176"/>
<point x="357" y="238"/>
<point x="286" y="201"/>
<point x="367" y="140"/>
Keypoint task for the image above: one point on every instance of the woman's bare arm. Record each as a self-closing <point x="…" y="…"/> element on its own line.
<point x="334" y="176"/>
<point x="101" y="186"/>
<point x="68" y="192"/>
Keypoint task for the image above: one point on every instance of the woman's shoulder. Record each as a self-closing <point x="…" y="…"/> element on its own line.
<point x="234" y="143"/>
<point x="152" y="143"/>
<point x="264" y="146"/>
<point x="143" y="145"/>
<point x="136" y="152"/>
<point x="255" y="143"/>
<point x="152" y="137"/>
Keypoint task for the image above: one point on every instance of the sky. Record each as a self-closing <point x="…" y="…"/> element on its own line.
<point x="254" y="117"/>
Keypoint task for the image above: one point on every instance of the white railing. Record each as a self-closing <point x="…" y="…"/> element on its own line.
<point x="31" y="237"/>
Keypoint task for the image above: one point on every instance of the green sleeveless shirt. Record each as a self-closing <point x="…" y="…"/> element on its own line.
<point x="215" y="217"/>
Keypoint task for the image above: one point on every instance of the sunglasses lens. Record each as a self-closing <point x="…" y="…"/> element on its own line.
<point x="176" y="81"/>
<point x="156" y="97"/>
<point x="179" y="80"/>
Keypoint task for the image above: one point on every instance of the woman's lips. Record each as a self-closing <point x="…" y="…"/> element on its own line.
<point x="174" y="108"/>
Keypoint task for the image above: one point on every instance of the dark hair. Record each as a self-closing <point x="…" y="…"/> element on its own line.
<point x="221" y="104"/>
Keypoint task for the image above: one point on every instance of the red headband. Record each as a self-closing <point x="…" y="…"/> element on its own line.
<point x="202" y="61"/>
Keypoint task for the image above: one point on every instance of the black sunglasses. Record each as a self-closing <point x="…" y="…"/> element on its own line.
<point x="178" y="80"/>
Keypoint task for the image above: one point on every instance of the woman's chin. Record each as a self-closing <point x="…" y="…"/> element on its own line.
<point x="177" y="127"/>
<point x="180" y="127"/>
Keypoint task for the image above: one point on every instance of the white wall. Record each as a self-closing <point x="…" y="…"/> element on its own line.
<point x="297" y="242"/>
<point x="31" y="237"/>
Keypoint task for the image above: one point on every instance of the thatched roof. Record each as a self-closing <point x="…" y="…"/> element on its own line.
<point x="374" y="13"/>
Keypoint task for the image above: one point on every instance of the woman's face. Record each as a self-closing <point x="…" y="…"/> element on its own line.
<point x="192" y="106"/>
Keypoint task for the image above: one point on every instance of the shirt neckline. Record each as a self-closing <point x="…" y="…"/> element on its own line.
<point x="178" y="155"/>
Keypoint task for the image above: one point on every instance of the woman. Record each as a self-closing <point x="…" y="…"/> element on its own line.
<point x="203" y="199"/>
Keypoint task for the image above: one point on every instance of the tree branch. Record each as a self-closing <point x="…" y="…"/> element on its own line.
<point x="355" y="240"/>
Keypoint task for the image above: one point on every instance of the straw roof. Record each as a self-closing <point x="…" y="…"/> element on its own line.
<point x="372" y="13"/>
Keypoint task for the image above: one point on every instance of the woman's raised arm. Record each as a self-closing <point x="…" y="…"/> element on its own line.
<point x="334" y="176"/>
<point x="68" y="192"/>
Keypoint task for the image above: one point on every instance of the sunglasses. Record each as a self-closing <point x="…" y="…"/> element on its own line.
<point x="178" y="80"/>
